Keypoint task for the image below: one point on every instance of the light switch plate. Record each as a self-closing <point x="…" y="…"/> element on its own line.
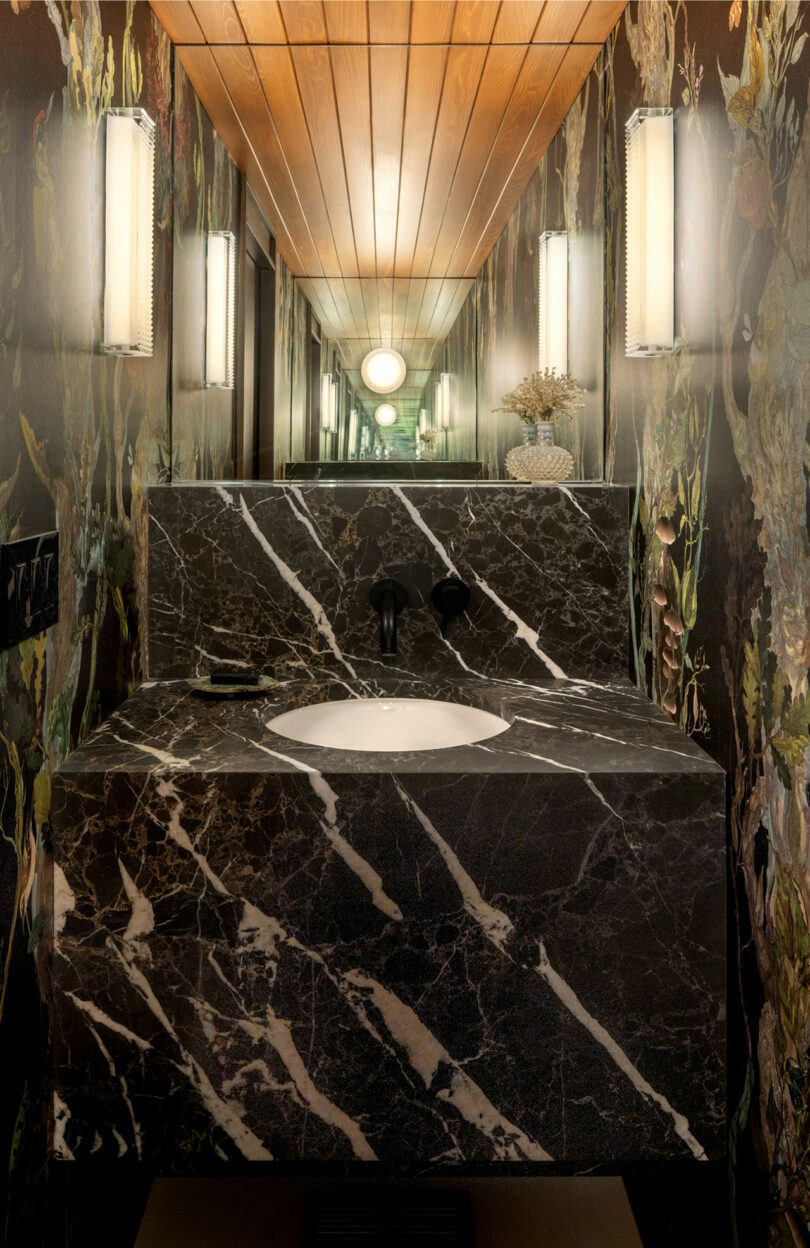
<point x="29" y="587"/>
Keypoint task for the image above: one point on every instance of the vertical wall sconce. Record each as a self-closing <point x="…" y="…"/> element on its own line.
<point x="553" y="301"/>
<point x="423" y="419"/>
<point x="326" y="401"/>
<point x="128" y="231"/>
<point x="333" y="408"/>
<point x="353" y="432"/>
<point x="220" y="312"/>
<point x="442" y="413"/>
<point x="650" y="328"/>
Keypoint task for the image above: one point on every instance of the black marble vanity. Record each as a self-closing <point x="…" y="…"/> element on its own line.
<point x="509" y="952"/>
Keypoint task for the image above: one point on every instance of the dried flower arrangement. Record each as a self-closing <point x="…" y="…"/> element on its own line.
<point x="429" y="436"/>
<point x="544" y="396"/>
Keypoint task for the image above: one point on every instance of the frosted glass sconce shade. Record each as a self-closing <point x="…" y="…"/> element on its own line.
<point x="386" y="414"/>
<point x="129" y="220"/>
<point x="326" y="402"/>
<point x="650" y="326"/>
<point x="553" y="301"/>
<point x="333" y="407"/>
<point x="442" y="414"/>
<point x="220" y="312"/>
<point x="383" y="370"/>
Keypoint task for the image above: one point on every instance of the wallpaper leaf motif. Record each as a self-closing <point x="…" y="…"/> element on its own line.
<point x="721" y="511"/>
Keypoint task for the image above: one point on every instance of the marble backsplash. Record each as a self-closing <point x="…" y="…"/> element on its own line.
<point x="275" y="578"/>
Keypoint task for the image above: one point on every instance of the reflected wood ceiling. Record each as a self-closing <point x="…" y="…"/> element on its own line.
<point x="387" y="141"/>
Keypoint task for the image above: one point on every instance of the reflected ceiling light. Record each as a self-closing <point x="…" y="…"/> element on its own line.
<point x="650" y="328"/>
<point x="128" y="231"/>
<point x="553" y="301"/>
<point x="220" y="312"/>
<point x="385" y="414"/>
<point x="383" y="370"/>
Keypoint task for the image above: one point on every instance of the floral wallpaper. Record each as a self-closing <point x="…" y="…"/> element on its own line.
<point x="713" y="440"/>
<point x="82" y="435"/>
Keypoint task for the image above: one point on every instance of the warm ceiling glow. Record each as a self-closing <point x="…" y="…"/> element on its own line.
<point x="383" y="370"/>
<point x="386" y="414"/>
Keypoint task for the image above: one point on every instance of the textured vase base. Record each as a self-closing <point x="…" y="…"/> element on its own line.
<point x="540" y="465"/>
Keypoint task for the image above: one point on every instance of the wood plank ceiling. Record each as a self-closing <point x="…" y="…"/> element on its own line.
<point x="387" y="141"/>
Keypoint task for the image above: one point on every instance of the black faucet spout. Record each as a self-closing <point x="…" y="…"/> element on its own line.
<point x="388" y="597"/>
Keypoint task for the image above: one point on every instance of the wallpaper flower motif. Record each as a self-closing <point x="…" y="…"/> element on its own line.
<point x="714" y="439"/>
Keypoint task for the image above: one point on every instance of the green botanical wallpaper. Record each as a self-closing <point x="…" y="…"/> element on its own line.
<point x="714" y="441"/>
<point x="82" y="436"/>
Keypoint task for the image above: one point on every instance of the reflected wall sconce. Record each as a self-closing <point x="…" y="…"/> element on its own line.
<point x="443" y="401"/>
<point x="650" y="327"/>
<point x="328" y="402"/>
<point x="383" y="370"/>
<point x="385" y="414"/>
<point x="553" y="301"/>
<point x="423" y="419"/>
<point x="220" y="311"/>
<point x="128" y="231"/>
<point x="333" y="408"/>
<point x="353" y="431"/>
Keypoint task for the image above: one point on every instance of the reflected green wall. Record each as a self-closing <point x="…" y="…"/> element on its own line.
<point x="207" y="189"/>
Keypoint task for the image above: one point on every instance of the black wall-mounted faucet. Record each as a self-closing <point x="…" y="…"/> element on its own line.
<point x="388" y="597"/>
<point x="450" y="598"/>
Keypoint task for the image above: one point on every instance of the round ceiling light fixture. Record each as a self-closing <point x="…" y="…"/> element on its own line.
<point x="386" y="414"/>
<point x="383" y="370"/>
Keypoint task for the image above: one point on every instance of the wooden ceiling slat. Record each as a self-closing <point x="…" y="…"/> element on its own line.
<point x="219" y="22"/>
<point x="416" y="289"/>
<point x="277" y="76"/>
<point x="178" y="20"/>
<point x="346" y="21"/>
<point x="354" y="292"/>
<point x="535" y="79"/>
<point x="371" y="299"/>
<point x="599" y="20"/>
<point x="463" y="72"/>
<point x="498" y="81"/>
<point x="313" y="71"/>
<point x="304" y="21"/>
<point x="351" y="77"/>
<point x="569" y="78"/>
<point x="240" y="76"/>
<point x="261" y="21"/>
<point x="433" y="287"/>
<point x="432" y="21"/>
<point x="517" y="21"/>
<point x="388" y="77"/>
<point x="387" y="141"/>
<point x="205" y="77"/>
<point x="559" y="20"/>
<point x="474" y="21"/>
<point x="425" y="78"/>
<point x="385" y="306"/>
<point x="389" y="21"/>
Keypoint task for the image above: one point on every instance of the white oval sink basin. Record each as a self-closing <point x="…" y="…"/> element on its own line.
<point x="388" y="725"/>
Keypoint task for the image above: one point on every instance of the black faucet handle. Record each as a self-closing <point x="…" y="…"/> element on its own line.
<point x="450" y="597"/>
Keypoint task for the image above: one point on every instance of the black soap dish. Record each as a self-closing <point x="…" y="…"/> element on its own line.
<point x="232" y="685"/>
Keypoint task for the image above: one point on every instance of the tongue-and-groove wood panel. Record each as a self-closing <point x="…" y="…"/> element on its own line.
<point x="388" y="140"/>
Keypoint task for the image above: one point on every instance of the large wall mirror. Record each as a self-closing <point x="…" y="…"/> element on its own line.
<point x="463" y="321"/>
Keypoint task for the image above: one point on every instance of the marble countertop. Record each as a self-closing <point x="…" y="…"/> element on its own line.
<point x="557" y="726"/>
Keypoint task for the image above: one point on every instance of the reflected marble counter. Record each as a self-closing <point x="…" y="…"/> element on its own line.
<point x="507" y="952"/>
